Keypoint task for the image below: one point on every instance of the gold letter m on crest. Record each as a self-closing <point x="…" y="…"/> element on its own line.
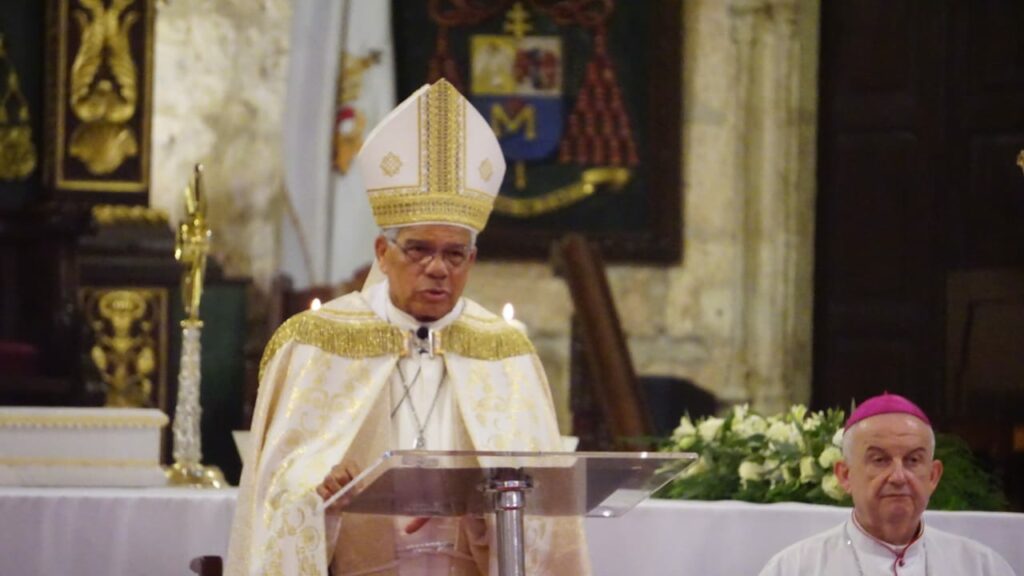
<point x="501" y="123"/>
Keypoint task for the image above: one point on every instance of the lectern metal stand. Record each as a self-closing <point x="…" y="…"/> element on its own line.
<point x="509" y="503"/>
<point x="510" y="485"/>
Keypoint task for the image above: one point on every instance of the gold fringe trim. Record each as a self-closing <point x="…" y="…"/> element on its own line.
<point x="465" y="340"/>
<point x="369" y="339"/>
<point x="346" y="339"/>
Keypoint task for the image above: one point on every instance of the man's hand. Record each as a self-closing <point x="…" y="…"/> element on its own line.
<point x="415" y="525"/>
<point x="336" y="479"/>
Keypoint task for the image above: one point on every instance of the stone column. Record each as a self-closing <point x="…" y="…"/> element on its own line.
<point x="775" y="215"/>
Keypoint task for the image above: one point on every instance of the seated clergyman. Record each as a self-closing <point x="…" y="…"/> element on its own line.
<point x="407" y="363"/>
<point x="889" y="469"/>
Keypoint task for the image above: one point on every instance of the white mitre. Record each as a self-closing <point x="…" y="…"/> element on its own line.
<point x="432" y="160"/>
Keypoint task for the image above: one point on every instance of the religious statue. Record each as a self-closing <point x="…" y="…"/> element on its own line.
<point x="192" y="244"/>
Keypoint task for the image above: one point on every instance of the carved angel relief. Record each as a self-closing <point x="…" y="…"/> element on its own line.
<point x="104" y="86"/>
<point x="17" y="150"/>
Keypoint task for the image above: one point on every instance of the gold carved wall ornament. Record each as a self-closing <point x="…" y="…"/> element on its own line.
<point x="99" y="70"/>
<point x="17" y="151"/>
<point x="128" y="327"/>
<point x="115" y="214"/>
<point x="104" y="86"/>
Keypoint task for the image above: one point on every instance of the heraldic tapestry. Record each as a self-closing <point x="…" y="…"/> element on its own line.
<point x="584" y="96"/>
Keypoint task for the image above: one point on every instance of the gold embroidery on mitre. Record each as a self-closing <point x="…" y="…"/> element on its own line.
<point x="393" y="208"/>
<point x="390" y="164"/>
<point x="346" y="339"/>
<point x="442" y="195"/>
<point x="486" y="170"/>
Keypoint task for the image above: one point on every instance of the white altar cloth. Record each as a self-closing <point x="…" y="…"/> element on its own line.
<point x="111" y="531"/>
<point x="667" y="537"/>
<point x="156" y="531"/>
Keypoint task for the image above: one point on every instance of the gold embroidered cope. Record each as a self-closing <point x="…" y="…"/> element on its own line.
<point x="323" y="400"/>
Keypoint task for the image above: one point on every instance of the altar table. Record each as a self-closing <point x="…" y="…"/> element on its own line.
<point x="154" y="532"/>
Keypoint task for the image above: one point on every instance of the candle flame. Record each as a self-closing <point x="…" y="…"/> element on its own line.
<point x="508" y="312"/>
<point x="315" y="304"/>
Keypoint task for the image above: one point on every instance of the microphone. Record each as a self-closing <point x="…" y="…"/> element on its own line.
<point x="422" y="333"/>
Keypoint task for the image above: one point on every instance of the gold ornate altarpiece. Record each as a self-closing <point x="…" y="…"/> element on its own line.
<point x="99" y="96"/>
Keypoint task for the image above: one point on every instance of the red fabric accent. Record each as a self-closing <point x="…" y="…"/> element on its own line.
<point x="18" y="359"/>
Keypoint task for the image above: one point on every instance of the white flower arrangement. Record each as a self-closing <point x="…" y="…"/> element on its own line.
<point x="746" y="456"/>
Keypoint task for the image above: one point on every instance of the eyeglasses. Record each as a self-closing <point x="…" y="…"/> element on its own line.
<point x="454" y="257"/>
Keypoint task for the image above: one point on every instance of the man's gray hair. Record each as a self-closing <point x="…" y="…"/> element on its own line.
<point x="392" y="235"/>
<point x="848" y="441"/>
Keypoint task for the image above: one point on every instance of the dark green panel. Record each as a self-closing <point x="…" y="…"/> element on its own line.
<point x="223" y="370"/>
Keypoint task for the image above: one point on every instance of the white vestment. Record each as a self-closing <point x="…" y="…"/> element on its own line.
<point x="847" y="550"/>
<point x="421" y="404"/>
<point x="331" y="390"/>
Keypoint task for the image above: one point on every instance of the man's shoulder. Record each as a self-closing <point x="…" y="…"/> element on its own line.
<point x="475" y="314"/>
<point x="351" y="307"/>
<point x="949" y="540"/>
<point x="965" y="549"/>
<point x="338" y="316"/>
<point x="810" y="551"/>
<point x="345" y="327"/>
<point x="482" y="335"/>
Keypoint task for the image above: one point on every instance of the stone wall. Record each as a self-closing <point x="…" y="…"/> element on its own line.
<point x="219" y="89"/>
<point x="734" y="316"/>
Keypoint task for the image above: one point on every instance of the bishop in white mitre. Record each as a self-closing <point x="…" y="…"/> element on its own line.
<point x="405" y="363"/>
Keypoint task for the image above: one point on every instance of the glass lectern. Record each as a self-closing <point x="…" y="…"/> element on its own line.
<point x="509" y="484"/>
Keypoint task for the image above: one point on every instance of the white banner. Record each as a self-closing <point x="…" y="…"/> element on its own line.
<point x="340" y="84"/>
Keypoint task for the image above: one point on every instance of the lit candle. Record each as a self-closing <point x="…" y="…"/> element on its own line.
<point x="509" y="312"/>
<point x="315" y="304"/>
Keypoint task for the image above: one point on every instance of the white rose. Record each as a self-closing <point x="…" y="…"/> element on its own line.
<point x="739" y="412"/>
<point x="773" y="471"/>
<point x="750" y="471"/>
<point x="837" y="438"/>
<point x="696" y="468"/>
<point x="829" y="456"/>
<point x="686" y="442"/>
<point x="684" y="429"/>
<point x="787" y="473"/>
<point x="812" y="422"/>
<point x="708" y="429"/>
<point x="830" y="484"/>
<point x="798" y="411"/>
<point x="808" y="470"/>
<point x="783" y="433"/>
<point x="753" y="424"/>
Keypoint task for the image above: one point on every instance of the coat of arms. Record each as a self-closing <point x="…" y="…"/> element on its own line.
<point x="568" y="86"/>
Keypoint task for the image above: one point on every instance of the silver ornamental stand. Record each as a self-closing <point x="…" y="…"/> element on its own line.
<point x="191" y="248"/>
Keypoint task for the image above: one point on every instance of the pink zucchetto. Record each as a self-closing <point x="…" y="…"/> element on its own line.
<point x="886" y="404"/>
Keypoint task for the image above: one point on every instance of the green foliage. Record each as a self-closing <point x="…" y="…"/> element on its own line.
<point x="789" y="457"/>
<point x="965" y="485"/>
